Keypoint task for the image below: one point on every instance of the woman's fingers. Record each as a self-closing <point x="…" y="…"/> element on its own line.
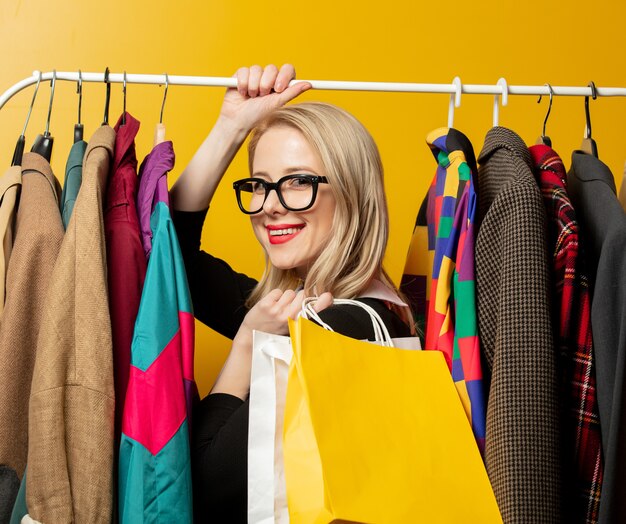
<point x="286" y="74"/>
<point x="323" y="301"/>
<point x="286" y="299"/>
<point x="295" y="306"/>
<point x="256" y="72"/>
<point x="243" y="74"/>
<point x="292" y="92"/>
<point x="257" y="81"/>
<point x="268" y="80"/>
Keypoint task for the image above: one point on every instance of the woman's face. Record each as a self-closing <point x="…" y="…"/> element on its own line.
<point x="291" y="239"/>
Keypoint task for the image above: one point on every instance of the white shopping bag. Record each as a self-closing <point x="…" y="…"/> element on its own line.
<point x="267" y="496"/>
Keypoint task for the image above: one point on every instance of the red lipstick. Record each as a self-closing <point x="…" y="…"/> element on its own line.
<point x="281" y="233"/>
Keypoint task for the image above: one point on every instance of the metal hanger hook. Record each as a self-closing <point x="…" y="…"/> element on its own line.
<point x="79" y="90"/>
<point x="32" y="103"/>
<point x="594" y="95"/>
<point x="53" y="83"/>
<point x="108" y="97"/>
<point x="545" y="121"/>
<point x="167" y="85"/>
<point x="124" y="92"/>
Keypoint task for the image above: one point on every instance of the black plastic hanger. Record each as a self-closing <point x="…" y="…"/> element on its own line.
<point x="21" y="141"/>
<point x="124" y="92"/>
<point x="43" y="143"/>
<point x="589" y="145"/>
<point x="159" y="131"/>
<point x="78" y="127"/>
<point x="545" y="139"/>
<point x="105" y="122"/>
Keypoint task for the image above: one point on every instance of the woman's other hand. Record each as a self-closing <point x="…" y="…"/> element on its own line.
<point x="271" y="315"/>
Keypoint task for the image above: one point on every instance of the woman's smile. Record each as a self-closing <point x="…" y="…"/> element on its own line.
<point x="281" y="233"/>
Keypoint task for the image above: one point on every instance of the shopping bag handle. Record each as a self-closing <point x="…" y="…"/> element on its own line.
<point x="381" y="333"/>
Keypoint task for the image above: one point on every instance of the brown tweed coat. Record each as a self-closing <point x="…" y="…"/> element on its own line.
<point x="514" y="320"/>
<point x="70" y="452"/>
<point x="38" y="235"/>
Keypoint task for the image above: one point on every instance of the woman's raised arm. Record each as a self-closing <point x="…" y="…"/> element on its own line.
<point x="259" y="91"/>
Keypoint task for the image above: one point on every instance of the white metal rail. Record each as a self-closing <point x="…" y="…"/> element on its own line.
<point x="499" y="90"/>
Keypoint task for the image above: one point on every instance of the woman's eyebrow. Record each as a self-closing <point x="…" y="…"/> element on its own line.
<point x="286" y="171"/>
<point x="296" y="169"/>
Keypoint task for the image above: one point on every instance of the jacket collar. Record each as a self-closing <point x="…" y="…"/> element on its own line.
<point x="588" y="168"/>
<point x="503" y="138"/>
<point x="103" y="137"/>
<point x="75" y="158"/>
<point x="125" y="139"/>
<point x="448" y="140"/>
<point x="35" y="163"/>
<point x="11" y="177"/>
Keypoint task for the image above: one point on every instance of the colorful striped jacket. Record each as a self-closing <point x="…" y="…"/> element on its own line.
<point x="154" y="464"/>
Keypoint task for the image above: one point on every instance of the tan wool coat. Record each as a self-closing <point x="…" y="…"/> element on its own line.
<point x="37" y="238"/>
<point x="70" y="453"/>
<point x="10" y="184"/>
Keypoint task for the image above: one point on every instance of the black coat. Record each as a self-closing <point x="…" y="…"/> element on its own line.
<point x="602" y="220"/>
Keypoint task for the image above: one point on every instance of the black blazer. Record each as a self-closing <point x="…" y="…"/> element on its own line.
<point x="602" y="220"/>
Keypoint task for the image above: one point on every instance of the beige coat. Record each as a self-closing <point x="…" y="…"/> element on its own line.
<point x="70" y="453"/>
<point x="9" y="189"/>
<point x="38" y="236"/>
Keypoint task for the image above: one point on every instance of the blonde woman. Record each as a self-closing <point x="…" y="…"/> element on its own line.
<point x="317" y="206"/>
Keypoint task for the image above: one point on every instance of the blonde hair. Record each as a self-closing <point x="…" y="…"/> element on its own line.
<point x="353" y="255"/>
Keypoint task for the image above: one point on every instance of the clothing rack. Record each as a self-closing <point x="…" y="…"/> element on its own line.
<point x="499" y="90"/>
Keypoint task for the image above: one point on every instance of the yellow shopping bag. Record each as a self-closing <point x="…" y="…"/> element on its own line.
<point x="377" y="435"/>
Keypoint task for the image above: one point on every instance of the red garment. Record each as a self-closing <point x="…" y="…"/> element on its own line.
<point x="582" y="455"/>
<point x="126" y="261"/>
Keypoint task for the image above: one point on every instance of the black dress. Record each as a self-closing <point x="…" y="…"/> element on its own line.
<point x="220" y="422"/>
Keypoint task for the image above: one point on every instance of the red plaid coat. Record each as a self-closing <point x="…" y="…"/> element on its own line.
<point x="582" y="457"/>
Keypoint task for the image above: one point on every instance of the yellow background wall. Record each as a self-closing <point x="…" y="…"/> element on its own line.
<point x="564" y="42"/>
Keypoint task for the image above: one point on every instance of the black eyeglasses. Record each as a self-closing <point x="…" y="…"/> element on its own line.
<point x="295" y="192"/>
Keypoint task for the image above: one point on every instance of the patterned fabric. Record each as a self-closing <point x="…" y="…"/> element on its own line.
<point x="452" y="324"/>
<point x="155" y="464"/>
<point x="522" y="445"/>
<point x="572" y="325"/>
<point x="418" y="271"/>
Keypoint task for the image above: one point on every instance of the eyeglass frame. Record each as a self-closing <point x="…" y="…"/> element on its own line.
<point x="269" y="186"/>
